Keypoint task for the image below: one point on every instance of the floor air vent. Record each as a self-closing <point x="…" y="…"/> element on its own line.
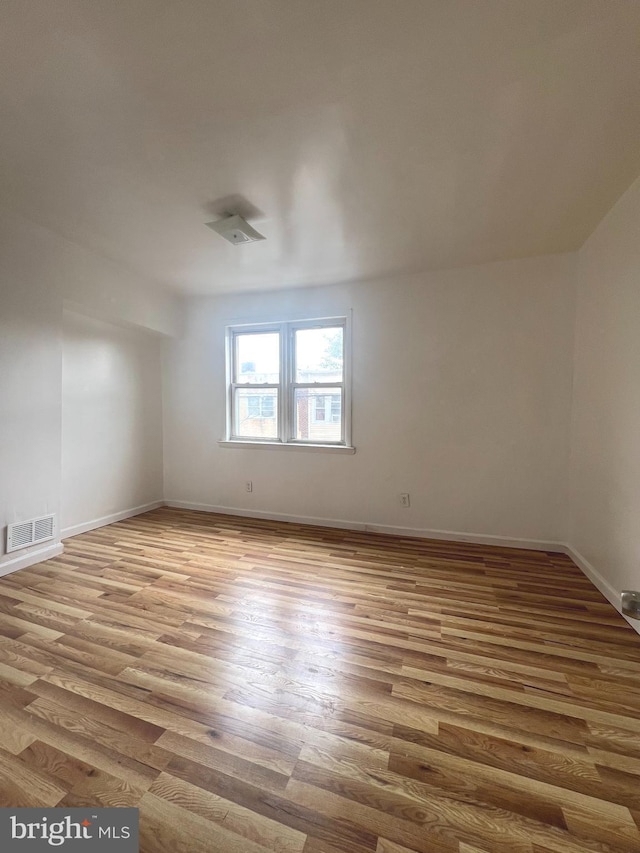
<point x="25" y="533"/>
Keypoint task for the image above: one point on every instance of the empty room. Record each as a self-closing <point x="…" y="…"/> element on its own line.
<point x="320" y="426"/>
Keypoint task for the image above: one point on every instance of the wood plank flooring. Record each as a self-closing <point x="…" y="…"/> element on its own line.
<point x="254" y="686"/>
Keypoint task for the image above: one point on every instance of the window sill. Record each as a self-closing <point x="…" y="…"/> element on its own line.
<point x="273" y="445"/>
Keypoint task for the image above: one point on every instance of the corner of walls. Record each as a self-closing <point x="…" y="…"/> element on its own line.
<point x="604" y="500"/>
<point x="95" y="523"/>
<point x="602" y="584"/>
<point x="40" y="273"/>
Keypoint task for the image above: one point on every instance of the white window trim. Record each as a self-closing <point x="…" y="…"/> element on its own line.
<point x="287" y="386"/>
<point x="250" y="444"/>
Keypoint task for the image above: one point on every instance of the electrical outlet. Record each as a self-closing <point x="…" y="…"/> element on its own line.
<point x="404" y="499"/>
<point x="248" y="486"/>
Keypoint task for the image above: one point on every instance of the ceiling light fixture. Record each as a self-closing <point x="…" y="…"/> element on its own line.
<point x="235" y="229"/>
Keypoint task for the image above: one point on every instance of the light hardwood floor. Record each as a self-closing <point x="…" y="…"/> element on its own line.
<point x="257" y="686"/>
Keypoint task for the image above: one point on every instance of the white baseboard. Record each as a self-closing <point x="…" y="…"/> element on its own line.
<point x="612" y="595"/>
<point x="417" y="532"/>
<point x="68" y="532"/>
<point x="269" y="516"/>
<point x="31" y="558"/>
<point x="470" y="538"/>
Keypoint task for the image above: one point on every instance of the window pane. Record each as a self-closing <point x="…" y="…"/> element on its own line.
<point x="257" y="357"/>
<point x="318" y="414"/>
<point x="255" y="413"/>
<point x="319" y="354"/>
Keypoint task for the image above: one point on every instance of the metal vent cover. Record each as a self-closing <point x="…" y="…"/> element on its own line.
<point x="25" y="533"/>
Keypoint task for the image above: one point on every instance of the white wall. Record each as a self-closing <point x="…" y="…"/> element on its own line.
<point x="462" y="389"/>
<point x="605" y="465"/>
<point x="30" y="387"/>
<point x="461" y="397"/>
<point x="111" y="420"/>
<point x="39" y="272"/>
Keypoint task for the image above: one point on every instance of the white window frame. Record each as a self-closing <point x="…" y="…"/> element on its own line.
<point x="287" y="385"/>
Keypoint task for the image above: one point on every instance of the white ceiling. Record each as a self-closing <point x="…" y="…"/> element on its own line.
<point x="371" y="136"/>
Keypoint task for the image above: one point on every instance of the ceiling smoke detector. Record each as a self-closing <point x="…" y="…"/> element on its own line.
<point x="235" y="229"/>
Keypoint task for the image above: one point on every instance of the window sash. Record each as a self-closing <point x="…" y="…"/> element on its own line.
<point x="235" y="435"/>
<point x="286" y="387"/>
<point x="319" y="386"/>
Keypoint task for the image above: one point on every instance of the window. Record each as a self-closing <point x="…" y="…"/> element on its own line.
<point x="287" y="383"/>
<point x="260" y="407"/>
<point x="327" y="408"/>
